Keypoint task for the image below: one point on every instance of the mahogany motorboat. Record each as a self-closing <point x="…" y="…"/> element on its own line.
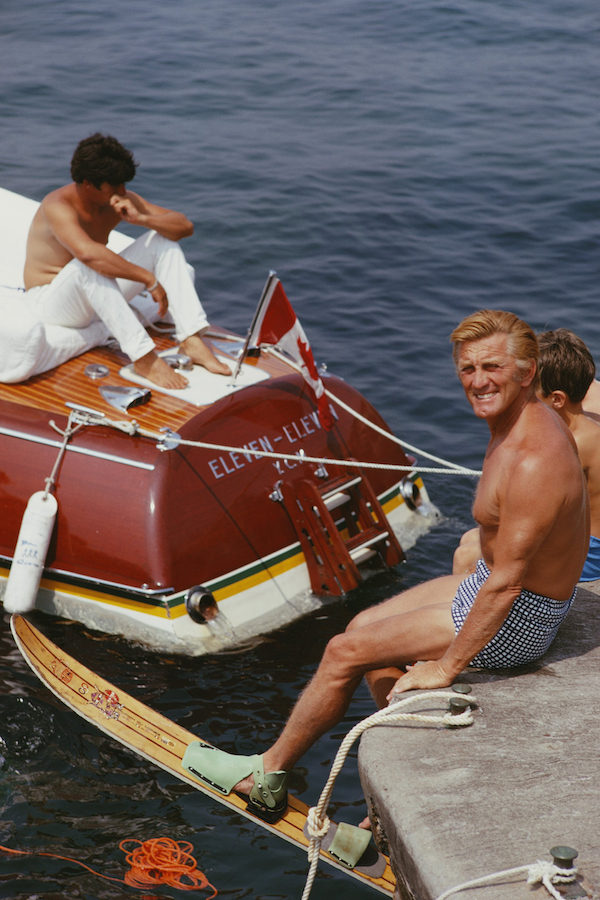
<point x="188" y="520"/>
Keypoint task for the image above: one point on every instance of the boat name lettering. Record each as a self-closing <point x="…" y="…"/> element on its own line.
<point x="293" y="432"/>
<point x="296" y="431"/>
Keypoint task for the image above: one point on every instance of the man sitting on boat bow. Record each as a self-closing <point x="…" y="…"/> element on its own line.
<point x="532" y="508"/>
<point x="73" y="278"/>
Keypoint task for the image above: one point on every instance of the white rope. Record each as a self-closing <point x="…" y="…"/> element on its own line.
<point x="302" y="457"/>
<point x="392" y="437"/>
<point x="132" y="427"/>
<point x="538" y="872"/>
<point x="66" y="436"/>
<point x="317" y="821"/>
<point x="401" y="443"/>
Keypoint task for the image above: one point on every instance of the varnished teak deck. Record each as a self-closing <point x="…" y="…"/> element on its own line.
<point x="51" y="390"/>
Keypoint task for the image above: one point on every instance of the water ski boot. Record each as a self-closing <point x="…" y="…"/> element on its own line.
<point x="352" y="847"/>
<point x="222" y="771"/>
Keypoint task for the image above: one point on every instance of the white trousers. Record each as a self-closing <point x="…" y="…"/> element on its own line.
<point x="78" y="295"/>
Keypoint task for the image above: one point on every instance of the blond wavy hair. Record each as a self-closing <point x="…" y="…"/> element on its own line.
<point x="522" y="342"/>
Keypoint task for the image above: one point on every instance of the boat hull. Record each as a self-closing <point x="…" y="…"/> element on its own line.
<point x="255" y="599"/>
<point x="138" y="527"/>
<point x="148" y="521"/>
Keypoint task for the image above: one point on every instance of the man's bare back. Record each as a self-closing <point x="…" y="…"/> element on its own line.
<point x="586" y="432"/>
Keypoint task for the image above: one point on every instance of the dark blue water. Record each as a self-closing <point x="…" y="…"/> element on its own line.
<point x="399" y="165"/>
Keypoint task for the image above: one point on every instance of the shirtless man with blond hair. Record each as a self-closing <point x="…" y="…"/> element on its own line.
<point x="73" y="278"/>
<point x="566" y="372"/>
<point x="532" y="508"/>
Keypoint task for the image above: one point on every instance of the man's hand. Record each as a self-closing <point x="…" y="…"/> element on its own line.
<point x="159" y="295"/>
<point x="422" y="676"/>
<point x="167" y="222"/>
<point x="126" y="209"/>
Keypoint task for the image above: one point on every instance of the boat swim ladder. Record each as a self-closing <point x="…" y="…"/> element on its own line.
<point x="340" y="525"/>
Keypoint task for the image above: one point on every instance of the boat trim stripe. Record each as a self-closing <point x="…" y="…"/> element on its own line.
<point x="173" y="605"/>
<point x="48" y="442"/>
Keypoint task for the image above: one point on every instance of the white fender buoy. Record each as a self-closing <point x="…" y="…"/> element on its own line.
<point x="30" y="553"/>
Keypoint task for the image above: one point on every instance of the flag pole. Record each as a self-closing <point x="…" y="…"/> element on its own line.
<point x="265" y="291"/>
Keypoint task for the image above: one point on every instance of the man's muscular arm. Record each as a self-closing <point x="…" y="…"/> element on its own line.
<point x="64" y="224"/>
<point x="528" y="512"/>
<point x="134" y="209"/>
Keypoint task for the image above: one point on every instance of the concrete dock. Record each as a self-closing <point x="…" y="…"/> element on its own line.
<point x="455" y="804"/>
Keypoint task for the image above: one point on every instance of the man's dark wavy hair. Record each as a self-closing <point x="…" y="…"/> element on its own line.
<point x="101" y="158"/>
<point x="566" y="364"/>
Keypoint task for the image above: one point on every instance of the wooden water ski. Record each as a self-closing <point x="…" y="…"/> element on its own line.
<point x="162" y="741"/>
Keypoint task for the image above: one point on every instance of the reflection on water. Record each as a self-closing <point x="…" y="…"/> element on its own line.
<point x="385" y="159"/>
<point x="67" y="788"/>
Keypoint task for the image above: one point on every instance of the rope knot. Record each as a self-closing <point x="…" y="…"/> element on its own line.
<point x="455" y="720"/>
<point x="317" y="825"/>
<point x="544" y="871"/>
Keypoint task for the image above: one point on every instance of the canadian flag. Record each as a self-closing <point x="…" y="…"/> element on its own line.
<point x="276" y="323"/>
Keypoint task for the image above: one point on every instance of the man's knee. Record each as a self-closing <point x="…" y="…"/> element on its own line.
<point x="340" y="652"/>
<point x="162" y="247"/>
<point x="159" y="244"/>
<point x="360" y="619"/>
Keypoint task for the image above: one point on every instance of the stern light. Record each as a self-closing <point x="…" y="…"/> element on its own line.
<point x="410" y="493"/>
<point x="201" y="605"/>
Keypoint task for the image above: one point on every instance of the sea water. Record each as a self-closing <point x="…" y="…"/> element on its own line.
<point x="399" y="165"/>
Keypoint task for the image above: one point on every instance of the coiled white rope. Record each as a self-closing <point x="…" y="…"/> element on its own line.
<point x="541" y="871"/>
<point x="317" y="822"/>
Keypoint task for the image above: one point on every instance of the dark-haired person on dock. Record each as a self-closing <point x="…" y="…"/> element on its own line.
<point x="74" y="278"/>
<point x="567" y="370"/>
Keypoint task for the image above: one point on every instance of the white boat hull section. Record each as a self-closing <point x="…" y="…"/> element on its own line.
<point x="255" y="605"/>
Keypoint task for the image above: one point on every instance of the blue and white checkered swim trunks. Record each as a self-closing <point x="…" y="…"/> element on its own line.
<point x="528" y="630"/>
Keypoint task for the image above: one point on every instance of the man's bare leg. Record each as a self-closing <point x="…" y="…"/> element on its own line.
<point x="418" y="626"/>
<point x="380" y="681"/>
<point x="159" y="372"/>
<point x="201" y="354"/>
<point x="467" y="553"/>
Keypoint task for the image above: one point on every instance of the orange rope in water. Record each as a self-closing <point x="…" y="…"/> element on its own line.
<point x="156" y="861"/>
<point x="164" y="861"/>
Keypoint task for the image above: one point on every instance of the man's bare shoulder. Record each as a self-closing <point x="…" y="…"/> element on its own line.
<point x="64" y="197"/>
<point x="545" y="429"/>
<point x="587" y="438"/>
<point x="542" y="442"/>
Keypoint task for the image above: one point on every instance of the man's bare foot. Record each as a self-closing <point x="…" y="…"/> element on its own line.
<point x="366" y="824"/>
<point x="245" y="786"/>
<point x="200" y="353"/>
<point x="159" y="372"/>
